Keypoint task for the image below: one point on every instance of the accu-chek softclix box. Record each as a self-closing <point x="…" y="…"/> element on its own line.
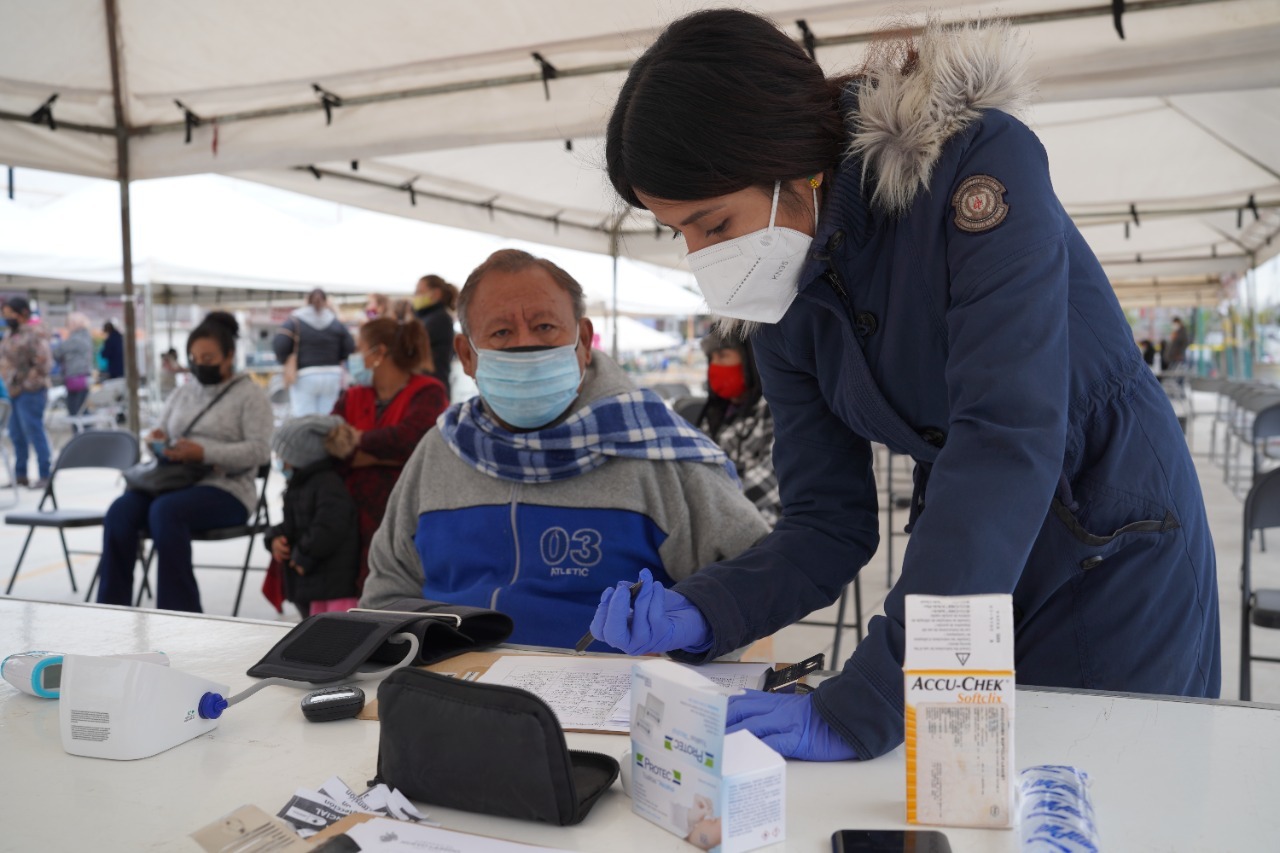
<point x="958" y="667"/>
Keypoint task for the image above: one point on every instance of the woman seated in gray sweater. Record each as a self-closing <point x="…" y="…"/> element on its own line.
<point x="232" y="438"/>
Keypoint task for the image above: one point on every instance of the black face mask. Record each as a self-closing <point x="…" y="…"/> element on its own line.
<point x="13" y="323"/>
<point x="207" y="374"/>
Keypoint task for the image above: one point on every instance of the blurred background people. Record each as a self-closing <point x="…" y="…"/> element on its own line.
<point x="392" y="402"/>
<point x="737" y="418"/>
<point x="321" y="344"/>
<point x="434" y="301"/>
<point x="25" y="363"/>
<point x="75" y="358"/>
<point x="1175" y="354"/>
<point x="112" y="351"/>
<point x="1148" y="351"/>
<point x="170" y="369"/>
<point x="377" y="305"/>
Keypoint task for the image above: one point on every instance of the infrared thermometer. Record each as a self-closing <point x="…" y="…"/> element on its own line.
<point x="40" y="673"/>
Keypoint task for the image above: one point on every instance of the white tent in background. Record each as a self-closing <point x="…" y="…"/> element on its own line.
<point x="1177" y="119"/>
<point x="634" y="337"/>
<point x="140" y="89"/>
<point x="198" y="235"/>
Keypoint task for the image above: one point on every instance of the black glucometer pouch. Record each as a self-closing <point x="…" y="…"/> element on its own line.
<point x="483" y="748"/>
<point x="331" y="646"/>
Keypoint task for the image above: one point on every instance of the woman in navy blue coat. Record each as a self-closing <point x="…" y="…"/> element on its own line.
<point x="893" y="246"/>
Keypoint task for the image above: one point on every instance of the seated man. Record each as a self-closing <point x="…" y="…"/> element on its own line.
<point x="559" y="480"/>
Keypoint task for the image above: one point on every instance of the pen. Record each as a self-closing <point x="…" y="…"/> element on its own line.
<point x="588" y="638"/>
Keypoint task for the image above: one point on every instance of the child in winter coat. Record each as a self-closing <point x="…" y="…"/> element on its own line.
<point x="318" y="543"/>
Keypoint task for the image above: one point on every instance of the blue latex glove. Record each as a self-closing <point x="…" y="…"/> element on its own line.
<point x="789" y="723"/>
<point x="661" y="620"/>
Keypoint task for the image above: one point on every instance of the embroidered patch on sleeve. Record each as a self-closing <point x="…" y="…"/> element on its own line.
<point x="979" y="204"/>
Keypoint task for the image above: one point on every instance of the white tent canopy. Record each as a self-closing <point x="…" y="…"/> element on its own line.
<point x="219" y="237"/>
<point x="634" y="337"/>
<point x="1179" y="116"/>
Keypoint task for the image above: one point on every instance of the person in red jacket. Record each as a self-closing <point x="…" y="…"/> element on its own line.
<point x="388" y="409"/>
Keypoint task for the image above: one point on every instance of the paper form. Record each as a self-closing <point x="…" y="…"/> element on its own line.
<point x="390" y="836"/>
<point x="594" y="694"/>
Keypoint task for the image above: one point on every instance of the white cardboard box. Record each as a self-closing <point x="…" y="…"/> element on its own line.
<point x="726" y="792"/>
<point x="959" y="695"/>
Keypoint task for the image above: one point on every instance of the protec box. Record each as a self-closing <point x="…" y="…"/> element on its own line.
<point x="726" y="792"/>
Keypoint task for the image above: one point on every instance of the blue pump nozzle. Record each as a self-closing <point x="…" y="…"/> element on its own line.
<point x="211" y="706"/>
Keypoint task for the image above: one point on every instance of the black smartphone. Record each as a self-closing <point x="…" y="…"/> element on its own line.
<point x="889" y="841"/>
<point x="785" y="680"/>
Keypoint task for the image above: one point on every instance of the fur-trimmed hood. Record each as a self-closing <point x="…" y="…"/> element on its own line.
<point x="954" y="73"/>
<point x="913" y="95"/>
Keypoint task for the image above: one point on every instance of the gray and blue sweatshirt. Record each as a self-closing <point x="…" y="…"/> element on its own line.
<point x="543" y="552"/>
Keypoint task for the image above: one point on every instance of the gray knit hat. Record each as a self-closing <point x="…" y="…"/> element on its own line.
<point x="300" y="441"/>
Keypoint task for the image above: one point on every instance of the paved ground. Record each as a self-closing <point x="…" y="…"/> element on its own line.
<point x="44" y="573"/>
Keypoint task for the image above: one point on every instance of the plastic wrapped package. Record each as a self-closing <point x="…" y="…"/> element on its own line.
<point x="1056" y="815"/>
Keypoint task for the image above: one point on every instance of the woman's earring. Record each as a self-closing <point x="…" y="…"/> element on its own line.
<point x="815" y="181"/>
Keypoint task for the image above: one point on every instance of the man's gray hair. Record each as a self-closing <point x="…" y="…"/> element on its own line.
<point x="511" y="261"/>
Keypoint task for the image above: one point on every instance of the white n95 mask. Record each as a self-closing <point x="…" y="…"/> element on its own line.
<point x="756" y="276"/>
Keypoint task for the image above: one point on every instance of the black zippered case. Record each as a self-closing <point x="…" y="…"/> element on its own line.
<point x="329" y="647"/>
<point x="483" y="748"/>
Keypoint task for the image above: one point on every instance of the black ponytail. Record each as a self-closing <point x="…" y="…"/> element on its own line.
<point x="722" y="101"/>
<point x="221" y="327"/>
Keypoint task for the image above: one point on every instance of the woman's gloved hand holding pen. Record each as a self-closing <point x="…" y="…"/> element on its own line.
<point x="659" y="621"/>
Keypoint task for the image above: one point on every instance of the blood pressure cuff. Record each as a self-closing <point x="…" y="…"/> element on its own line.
<point x="331" y="646"/>
<point x="483" y="748"/>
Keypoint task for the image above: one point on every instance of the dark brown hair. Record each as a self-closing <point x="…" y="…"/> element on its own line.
<point x="722" y="101"/>
<point x="218" y="326"/>
<point x="514" y="260"/>
<point x="406" y="342"/>
<point x="448" y="292"/>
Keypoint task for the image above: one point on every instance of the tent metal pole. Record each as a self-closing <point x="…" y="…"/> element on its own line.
<point x="152" y="349"/>
<point x="126" y="230"/>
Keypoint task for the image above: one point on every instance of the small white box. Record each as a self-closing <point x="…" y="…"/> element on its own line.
<point x="959" y="693"/>
<point x="687" y="776"/>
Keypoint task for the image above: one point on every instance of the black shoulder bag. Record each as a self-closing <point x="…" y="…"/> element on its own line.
<point x="160" y="475"/>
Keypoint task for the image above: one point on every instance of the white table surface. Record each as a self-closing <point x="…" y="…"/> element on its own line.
<point x="1168" y="775"/>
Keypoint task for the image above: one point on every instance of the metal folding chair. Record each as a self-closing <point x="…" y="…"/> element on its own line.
<point x="112" y="449"/>
<point x="257" y="525"/>
<point x="1260" y="607"/>
<point x="6" y="411"/>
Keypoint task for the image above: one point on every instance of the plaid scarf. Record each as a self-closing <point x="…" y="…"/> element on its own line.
<point x="635" y="424"/>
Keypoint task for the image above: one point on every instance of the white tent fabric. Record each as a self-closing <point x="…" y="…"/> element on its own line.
<point x="634" y="337"/>
<point x="210" y="238"/>
<point x="1178" y="116"/>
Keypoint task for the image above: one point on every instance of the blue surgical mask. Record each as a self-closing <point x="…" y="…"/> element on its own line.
<point x="528" y="388"/>
<point x="360" y="374"/>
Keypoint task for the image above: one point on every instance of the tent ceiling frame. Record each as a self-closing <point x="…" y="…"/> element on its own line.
<point x="1093" y="217"/>
<point x="538" y="77"/>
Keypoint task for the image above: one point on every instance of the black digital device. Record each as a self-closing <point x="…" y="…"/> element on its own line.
<point x="786" y="680"/>
<point x="889" y="841"/>
<point x="332" y="703"/>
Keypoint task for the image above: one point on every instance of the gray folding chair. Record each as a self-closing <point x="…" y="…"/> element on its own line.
<point x="257" y="525"/>
<point x="6" y="411"/>
<point x="1260" y="607"/>
<point x="690" y="408"/>
<point x="112" y="449"/>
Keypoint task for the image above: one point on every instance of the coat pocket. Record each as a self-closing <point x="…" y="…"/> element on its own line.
<point x="1085" y="537"/>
